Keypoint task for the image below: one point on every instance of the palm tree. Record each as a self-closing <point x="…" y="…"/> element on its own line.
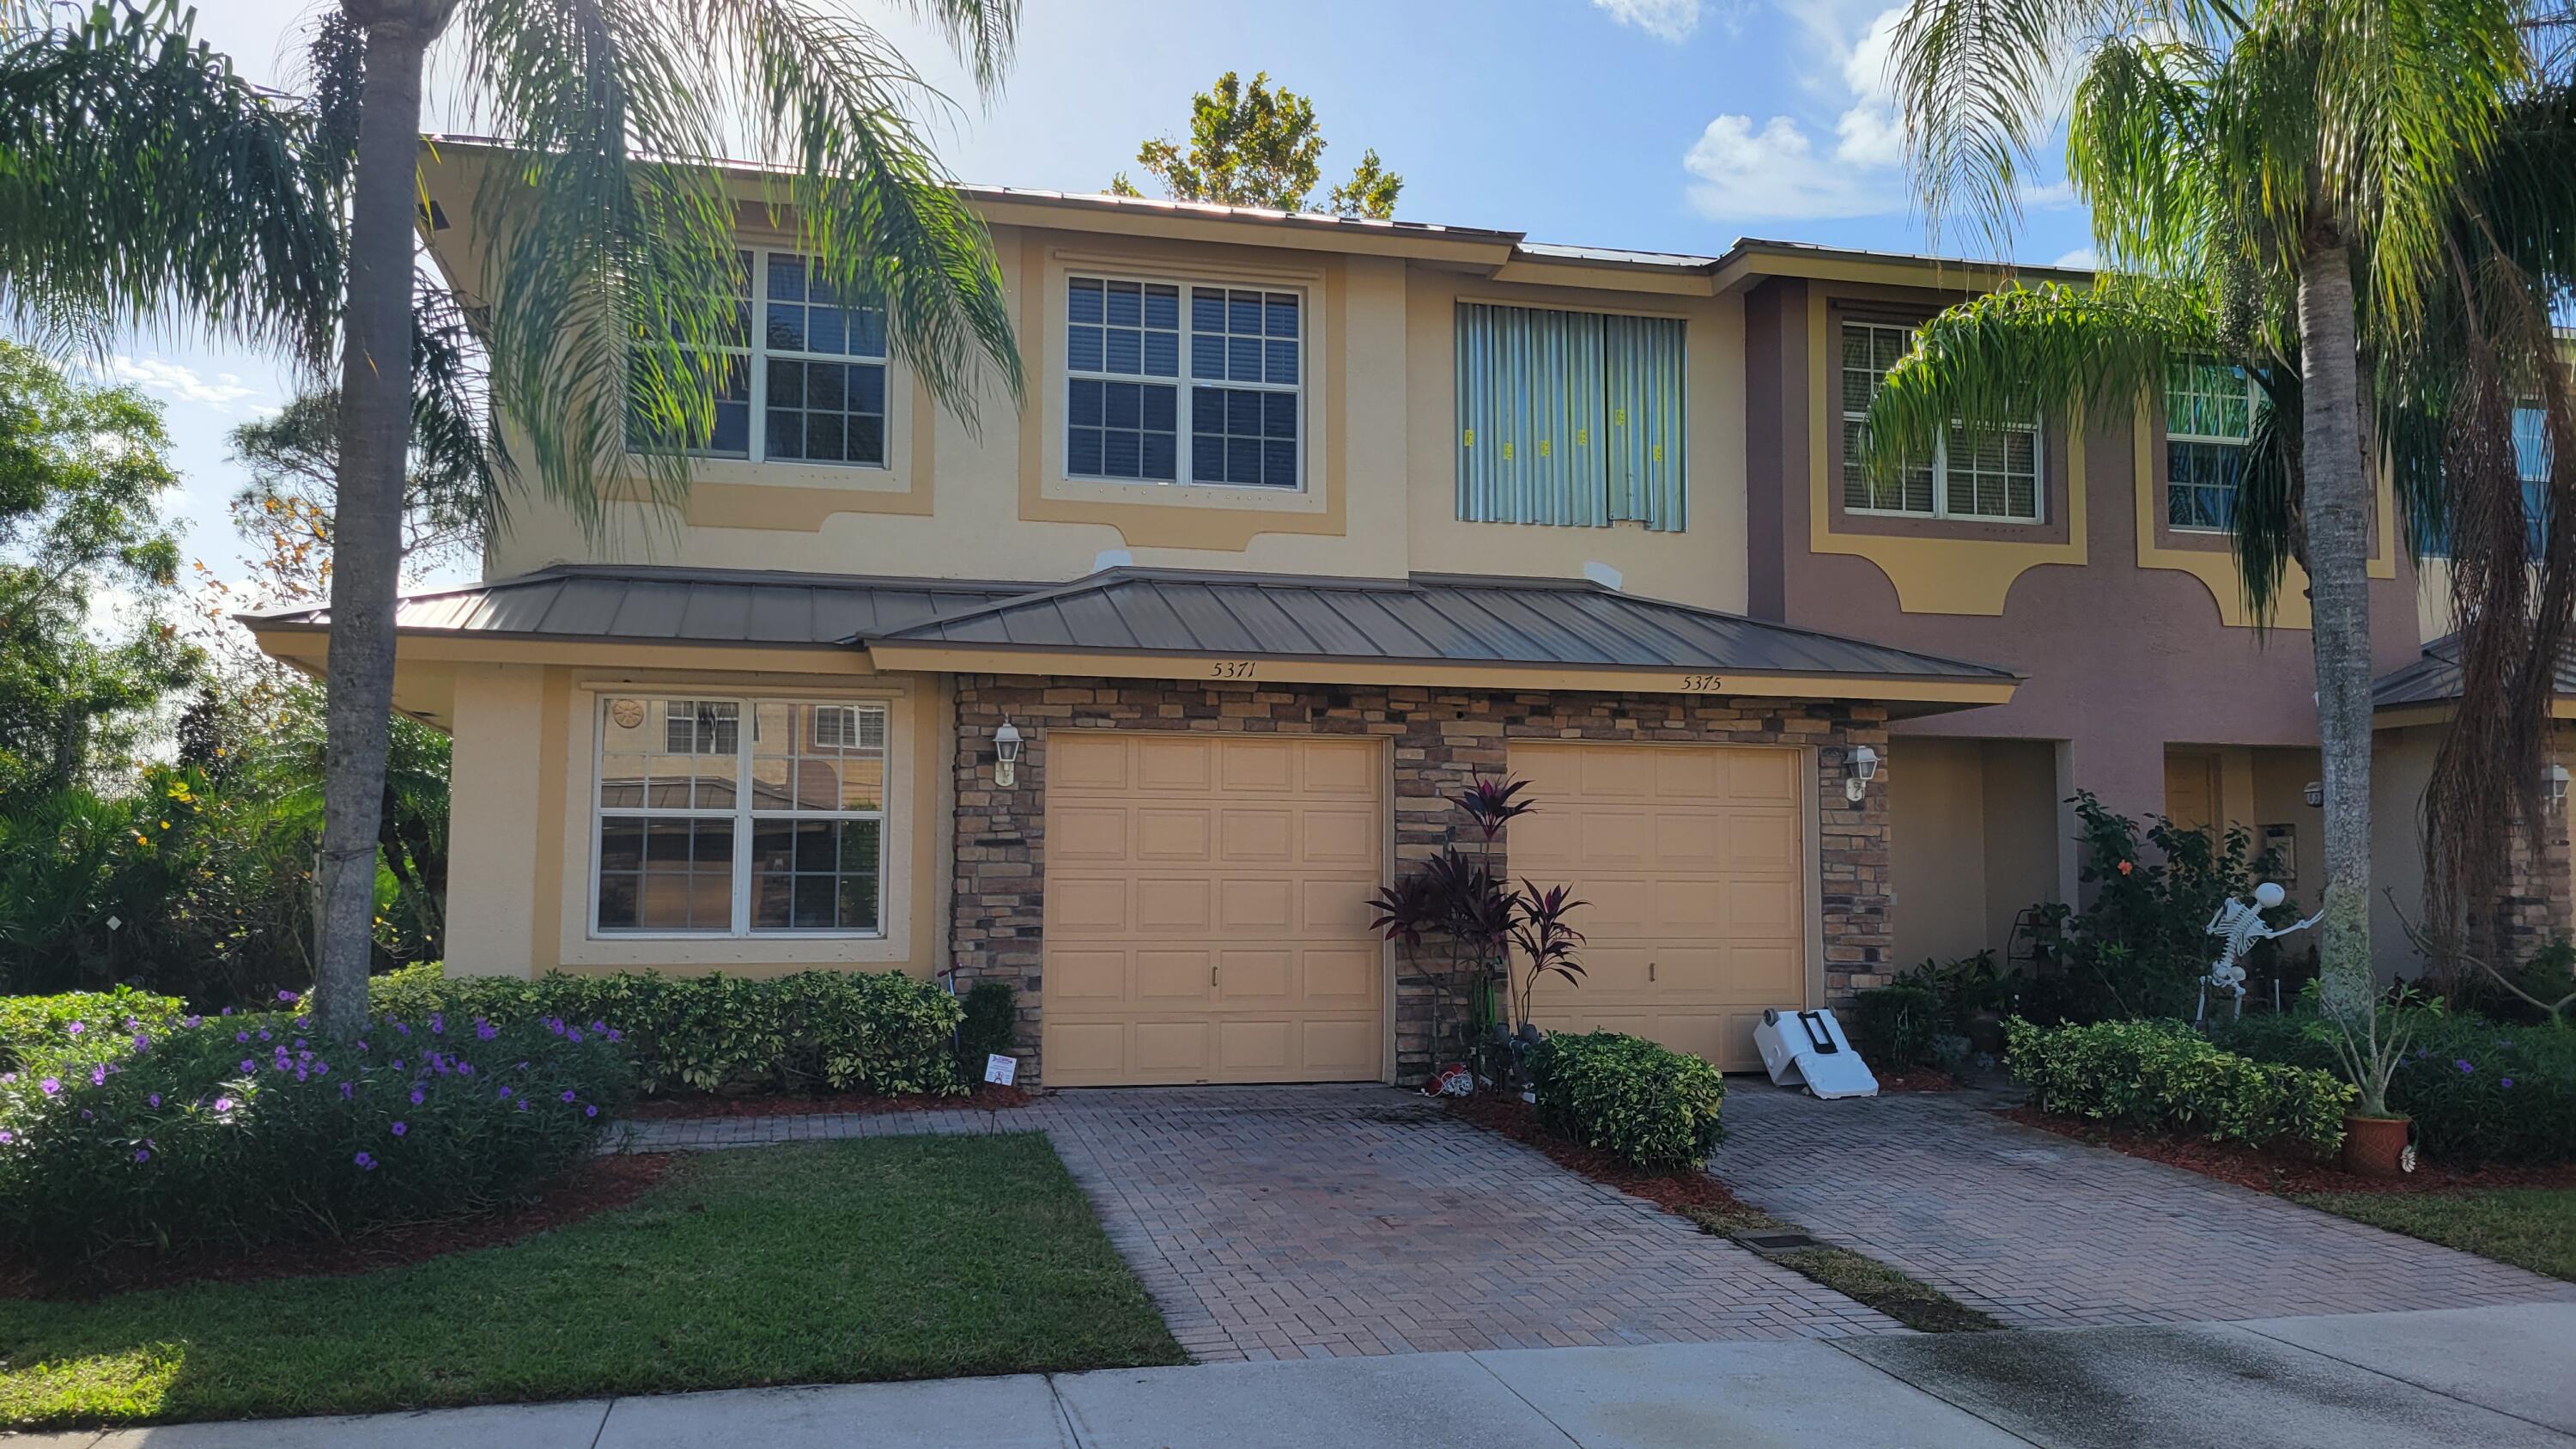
<point x="616" y="264"/>
<point x="2279" y="184"/>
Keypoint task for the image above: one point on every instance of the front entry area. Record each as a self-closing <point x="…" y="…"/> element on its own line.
<point x="1206" y="915"/>
<point x="1692" y="860"/>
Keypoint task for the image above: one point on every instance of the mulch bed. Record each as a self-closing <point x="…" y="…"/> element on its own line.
<point x="595" y="1187"/>
<point x="769" y="1104"/>
<point x="1518" y="1120"/>
<point x="2281" y="1169"/>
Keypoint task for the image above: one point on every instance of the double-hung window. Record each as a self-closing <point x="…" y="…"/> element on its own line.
<point x="2531" y="458"/>
<point x="1570" y="418"/>
<point x="730" y="817"/>
<point x="801" y="376"/>
<point x="1170" y="381"/>
<point x="1990" y="474"/>
<point x="2209" y="422"/>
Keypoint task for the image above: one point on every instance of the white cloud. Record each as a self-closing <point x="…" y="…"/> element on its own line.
<point x="1774" y="174"/>
<point x="2081" y="257"/>
<point x="177" y="380"/>
<point x="1672" y="20"/>
<point x="2055" y="196"/>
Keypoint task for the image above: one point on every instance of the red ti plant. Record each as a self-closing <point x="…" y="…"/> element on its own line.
<point x="1545" y="940"/>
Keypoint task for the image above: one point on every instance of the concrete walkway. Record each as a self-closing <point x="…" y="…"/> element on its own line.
<point x="2493" y="1377"/>
<point x="2044" y="1232"/>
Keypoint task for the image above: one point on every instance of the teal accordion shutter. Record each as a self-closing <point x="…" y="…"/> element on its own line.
<point x="1568" y="418"/>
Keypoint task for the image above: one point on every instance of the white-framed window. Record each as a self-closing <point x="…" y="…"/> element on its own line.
<point x="702" y="827"/>
<point x="1169" y="381"/>
<point x="802" y="376"/>
<point x="2209" y="421"/>
<point x="1991" y="475"/>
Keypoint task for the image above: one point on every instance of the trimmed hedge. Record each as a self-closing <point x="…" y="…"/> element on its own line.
<point x="2479" y="1091"/>
<point x="1898" y="1027"/>
<point x="242" y="1130"/>
<point x="2162" y="1075"/>
<point x="37" y="1030"/>
<point x="871" y="1031"/>
<point x="1655" y="1108"/>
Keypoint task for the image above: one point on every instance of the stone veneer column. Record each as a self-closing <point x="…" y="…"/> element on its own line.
<point x="1441" y="738"/>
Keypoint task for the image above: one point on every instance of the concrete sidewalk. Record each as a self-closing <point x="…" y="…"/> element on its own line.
<point x="2499" y="1378"/>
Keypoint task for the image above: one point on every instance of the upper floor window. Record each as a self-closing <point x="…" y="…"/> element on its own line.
<point x="1991" y="475"/>
<point x="1570" y="418"/>
<point x="730" y="817"/>
<point x="2531" y="456"/>
<point x="2209" y="422"/>
<point x="808" y="383"/>
<point x="1129" y="360"/>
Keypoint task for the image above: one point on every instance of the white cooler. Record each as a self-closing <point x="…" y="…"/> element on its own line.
<point x="1808" y="1049"/>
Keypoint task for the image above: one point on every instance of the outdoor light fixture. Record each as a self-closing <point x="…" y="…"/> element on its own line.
<point x="2315" y="794"/>
<point x="1864" y="768"/>
<point x="1006" y="755"/>
<point x="2554" y="780"/>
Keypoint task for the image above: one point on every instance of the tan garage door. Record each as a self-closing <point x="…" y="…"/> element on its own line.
<point x="1206" y="908"/>
<point x="1691" y="859"/>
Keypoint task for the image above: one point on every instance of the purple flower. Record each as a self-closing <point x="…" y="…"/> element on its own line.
<point x="366" y="1161"/>
<point x="523" y="1104"/>
<point x="417" y="1097"/>
<point x="572" y="1034"/>
<point x="76" y="1028"/>
<point x="223" y="1104"/>
<point x="505" y="1094"/>
<point x="192" y="1021"/>
<point x="142" y="1042"/>
<point x="597" y="1025"/>
<point x="140" y="1155"/>
<point x="7" y="1077"/>
<point x="401" y="1030"/>
<point x="613" y="1035"/>
<point x="2508" y="1083"/>
<point x="2464" y="1067"/>
<point x="98" y="1075"/>
<point x="228" y="1011"/>
<point x="348" y="1090"/>
<point x="437" y="1024"/>
<point x="567" y="1096"/>
<point x="248" y="1065"/>
<point x="50" y="1086"/>
<point x="263" y="1033"/>
<point x="7" y="1136"/>
<point x="398" y="1064"/>
<point x="286" y="996"/>
<point x="401" y="1127"/>
<point x="154" y="1099"/>
<point x="303" y="1023"/>
<point x="590" y="1111"/>
<point x="241" y="1036"/>
<point x="484" y="1030"/>
<point x="362" y="1043"/>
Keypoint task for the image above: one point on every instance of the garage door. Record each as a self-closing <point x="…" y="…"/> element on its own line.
<point x="1692" y="860"/>
<point x="1207" y="908"/>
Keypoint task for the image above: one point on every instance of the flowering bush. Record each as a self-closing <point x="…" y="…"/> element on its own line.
<point x="79" y="1025"/>
<point x="244" y="1129"/>
<point x="873" y="1031"/>
<point x="1655" y="1107"/>
<point x="2164" y="1075"/>
<point x="2479" y="1091"/>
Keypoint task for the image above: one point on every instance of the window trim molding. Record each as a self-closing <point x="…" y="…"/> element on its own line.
<point x="1941" y="511"/>
<point x="1686" y="381"/>
<point x="1058" y="351"/>
<point x="2165" y="403"/>
<point x="744" y="816"/>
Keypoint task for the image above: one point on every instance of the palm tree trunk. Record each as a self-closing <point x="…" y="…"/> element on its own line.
<point x="2337" y="515"/>
<point x="375" y="431"/>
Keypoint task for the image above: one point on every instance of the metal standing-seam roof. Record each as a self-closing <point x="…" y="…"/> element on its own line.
<point x="1429" y="618"/>
<point x="2435" y="678"/>
<point x="673" y="605"/>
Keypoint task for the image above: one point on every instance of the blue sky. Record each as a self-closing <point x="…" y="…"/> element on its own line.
<point x="1670" y="125"/>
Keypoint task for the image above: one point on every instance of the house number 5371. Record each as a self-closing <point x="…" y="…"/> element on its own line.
<point x="1230" y="669"/>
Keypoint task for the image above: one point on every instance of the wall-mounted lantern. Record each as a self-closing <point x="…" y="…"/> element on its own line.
<point x="1864" y="768"/>
<point x="1006" y="755"/>
<point x="2554" y="781"/>
<point x="2315" y="794"/>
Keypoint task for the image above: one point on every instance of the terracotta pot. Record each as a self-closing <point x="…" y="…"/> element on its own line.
<point x="2376" y="1147"/>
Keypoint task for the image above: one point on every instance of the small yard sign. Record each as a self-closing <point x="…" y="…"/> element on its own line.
<point x="1001" y="1070"/>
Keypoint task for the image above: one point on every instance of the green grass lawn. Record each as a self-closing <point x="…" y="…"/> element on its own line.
<point x="2529" y="1227"/>
<point x="891" y="1258"/>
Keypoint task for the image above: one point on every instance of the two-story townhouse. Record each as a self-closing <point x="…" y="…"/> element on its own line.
<point x="1133" y="692"/>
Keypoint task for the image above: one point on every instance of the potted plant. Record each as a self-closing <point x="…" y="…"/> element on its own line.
<point x="2369" y="1036"/>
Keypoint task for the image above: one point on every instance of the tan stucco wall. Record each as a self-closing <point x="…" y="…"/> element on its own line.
<point x="519" y="885"/>
<point x="1974" y="838"/>
<point x="2028" y="854"/>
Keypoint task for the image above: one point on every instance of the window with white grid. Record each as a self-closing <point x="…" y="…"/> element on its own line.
<point x="802" y="378"/>
<point x="2209" y="420"/>
<point x="1169" y="382"/>
<point x="704" y="827"/>
<point x="1992" y="474"/>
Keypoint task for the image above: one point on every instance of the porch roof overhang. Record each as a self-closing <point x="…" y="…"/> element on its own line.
<point x="1135" y="623"/>
<point x="1429" y="629"/>
<point x="2428" y="690"/>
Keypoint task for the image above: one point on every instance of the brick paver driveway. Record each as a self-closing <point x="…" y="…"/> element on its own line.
<point x="2041" y="1231"/>
<point x="1286" y="1222"/>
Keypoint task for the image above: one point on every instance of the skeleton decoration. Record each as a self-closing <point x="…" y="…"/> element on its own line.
<point x="2241" y="928"/>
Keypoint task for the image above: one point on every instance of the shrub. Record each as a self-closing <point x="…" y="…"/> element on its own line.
<point x="991" y="1027"/>
<point x="874" y="1031"/>
<point x="238" y="1130"/>
<point x="79" y="1025"/>
<point x="1655" y="1108"/>
<point x="2479" y="1091"/>
<point x="2162" y="1075"/>
<point x="1898" y="1027"/>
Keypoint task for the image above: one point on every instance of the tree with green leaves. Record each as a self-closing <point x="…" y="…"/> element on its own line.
<point x="142" y="179"/>
<point x="2285" y="186"/>
<point x="81" y="470"/>
<point x="1252" y="146"/>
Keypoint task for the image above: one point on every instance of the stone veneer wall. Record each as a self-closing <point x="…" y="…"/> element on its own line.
<point x="2536" y="905"/>
<point x="1442" y="738"/>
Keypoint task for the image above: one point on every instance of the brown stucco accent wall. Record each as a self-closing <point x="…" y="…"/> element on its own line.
<point x="1441" y="738"/>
